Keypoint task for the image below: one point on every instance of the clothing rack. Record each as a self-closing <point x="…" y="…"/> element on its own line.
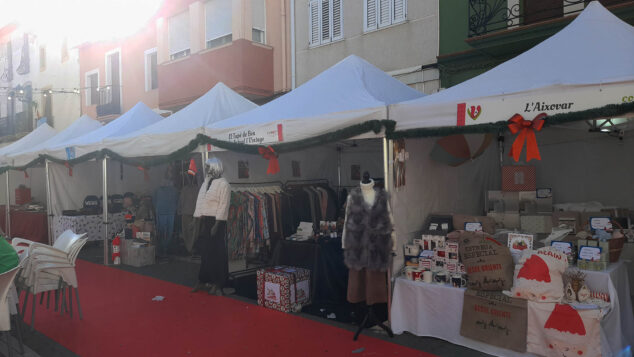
<point x="257" y="186"/>
<point x="306" y="182"/>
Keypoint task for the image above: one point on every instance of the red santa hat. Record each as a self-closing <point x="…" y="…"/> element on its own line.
<point x="535" y="268"/>
<point x="565" y="318"/>
<point x="193" y="170"/>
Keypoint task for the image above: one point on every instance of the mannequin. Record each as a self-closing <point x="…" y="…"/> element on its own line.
<point x="368" y="246"/>
<point x="212" y="207"/>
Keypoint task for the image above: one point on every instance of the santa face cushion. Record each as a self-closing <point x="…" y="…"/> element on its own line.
<point x="538" y="276"/>
<point x="488" y="263"/>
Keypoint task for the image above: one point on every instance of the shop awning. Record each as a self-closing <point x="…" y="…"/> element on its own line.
<point x="349" y="93"/>
<point x="85" y="124"/>
<point x="180" y="128"/>
<point x="588" y="64"/>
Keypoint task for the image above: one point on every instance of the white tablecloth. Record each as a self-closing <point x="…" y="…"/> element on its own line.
<point x="436" y="311"/>
<point x="93" y="225"/>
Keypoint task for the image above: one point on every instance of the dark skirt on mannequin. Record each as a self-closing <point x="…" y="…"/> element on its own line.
<point x="367" y="285"/>
<point x="214" y="265"/>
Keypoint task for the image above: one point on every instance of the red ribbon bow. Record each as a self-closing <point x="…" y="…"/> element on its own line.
<point x="70" y="168"/>
<point x="146" y="174"/>
<point x="269" y="154"/>
<point x="26" y="175"/>
<point x="526" y="129"/>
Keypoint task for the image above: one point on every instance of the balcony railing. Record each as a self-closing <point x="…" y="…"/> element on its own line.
<point x="486" y="16"/>
<point x="109" y="101"/>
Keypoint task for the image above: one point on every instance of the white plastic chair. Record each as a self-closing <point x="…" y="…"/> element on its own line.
<point x="22" y="246"/>
<point x="54" y="272"/>
<point x="6" y="281"/>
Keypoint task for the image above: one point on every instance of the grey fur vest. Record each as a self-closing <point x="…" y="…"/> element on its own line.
<point x="368" y="242"/>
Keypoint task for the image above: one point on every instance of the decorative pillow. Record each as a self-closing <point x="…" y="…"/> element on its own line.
<point x="538" y="276"/>
<point x="488" y="264"/>
<point x="488" y="223"/>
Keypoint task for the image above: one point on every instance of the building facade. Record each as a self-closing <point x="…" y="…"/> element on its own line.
<point x="184" y="50"/>
<point x="39" y="81"/>
<point x="477" y="35"/>
<point x="398" y="36"/>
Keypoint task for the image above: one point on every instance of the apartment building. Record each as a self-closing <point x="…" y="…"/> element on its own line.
<point x="184" y="50"/>
<point x="39" y="81"/>
<point x="398" y="36"/>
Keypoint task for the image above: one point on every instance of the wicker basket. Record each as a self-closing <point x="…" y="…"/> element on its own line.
<point x="616" y="246"/>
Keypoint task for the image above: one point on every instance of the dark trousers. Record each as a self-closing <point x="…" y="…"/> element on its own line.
<point x="214" y="266"/>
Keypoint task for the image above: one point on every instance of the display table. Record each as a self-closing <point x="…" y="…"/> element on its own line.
<point x="93" y="225"/>
<point x="436" y="311"/>
<point x="324" y="259"/>
<point x="31" y="225"/>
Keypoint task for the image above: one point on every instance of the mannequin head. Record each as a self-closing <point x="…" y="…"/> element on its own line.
<point x="213" y="168"/>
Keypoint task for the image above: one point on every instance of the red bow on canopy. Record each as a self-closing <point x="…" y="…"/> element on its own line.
<point x="26" y="175"/>
<point x="146" y="174"/>
<point x="526" y="129"/>
<point x="269" y="154"/>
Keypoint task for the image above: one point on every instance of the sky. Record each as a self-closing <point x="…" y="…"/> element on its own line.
<point x="78" y="20"/>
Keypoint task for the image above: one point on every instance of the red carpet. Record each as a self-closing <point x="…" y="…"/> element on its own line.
<point x="121" y="320"/>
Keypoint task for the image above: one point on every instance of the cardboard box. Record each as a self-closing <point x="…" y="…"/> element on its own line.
<point x="510" y="201"/>
<point x="506" y="220"/>
<point x="539" y="204"/>
<point x="518" y="178"/>
<point x="137" y="256"/>
<point x="568" y="219"/>
<point x="536" y="223"/>
<point x="283" y="288"/>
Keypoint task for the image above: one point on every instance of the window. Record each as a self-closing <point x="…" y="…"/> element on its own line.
<point x="325" y="21"/>
<point x="178" y="33"/>
<point x="258" y="15"/>
<point x="42" y="58"/>
<point x="92" y="87"/>
<point x="218" y="23"/>
<point x="151" y="70"/>
<point x="382" y="13"/>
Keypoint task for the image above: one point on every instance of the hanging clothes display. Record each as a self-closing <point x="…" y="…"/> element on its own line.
<point x="186" y="208"/>
<point x="165" y="202"/>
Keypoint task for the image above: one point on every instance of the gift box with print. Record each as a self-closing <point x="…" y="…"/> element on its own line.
<point x="283" y="288"/>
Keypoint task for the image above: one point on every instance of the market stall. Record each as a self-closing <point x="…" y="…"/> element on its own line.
<point x="575" y="125"/>
<point x="40" y="134"/>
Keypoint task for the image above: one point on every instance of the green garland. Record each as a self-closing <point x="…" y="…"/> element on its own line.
<point x="608" y="111"/>
<point x="372" y="125"/>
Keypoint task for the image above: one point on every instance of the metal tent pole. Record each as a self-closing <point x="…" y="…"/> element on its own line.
<point x="386" y="180"/>
<point x="49" y="208"/>
<point x="8" y="209"/>
<point x="105" y="209"/>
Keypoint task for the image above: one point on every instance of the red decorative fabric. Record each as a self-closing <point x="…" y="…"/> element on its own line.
<point x="526" y="130"/>
<point x="70" y="168"/>
<point x="269" y="154"/>
<point x="193" y="170"/>
<point x="535" y="268"/>
<point x="565" y="318"/>
<point x="146" y="174"/>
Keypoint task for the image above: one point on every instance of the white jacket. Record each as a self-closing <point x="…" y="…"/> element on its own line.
<point x="214" y="202"/>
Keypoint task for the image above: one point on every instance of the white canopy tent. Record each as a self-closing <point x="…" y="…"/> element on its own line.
<point x="85" y="124"/>
<point x="351" y="92"/>
<point x="180" y="128"/>
<point x="40" y="134"/>
<point x="138" y="117"/>
<point x="588" y="64"/>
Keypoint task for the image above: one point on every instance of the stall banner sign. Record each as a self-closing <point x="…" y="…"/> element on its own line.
<point x="70" y="153"/>
<point x="268" y="134"/>
<point x="494" y="318"/>
<point x="283" y="288"/>
<point x="559" y="330"/>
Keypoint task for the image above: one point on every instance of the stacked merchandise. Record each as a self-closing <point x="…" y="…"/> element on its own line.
<point x="283" y="288"/>
<point x="312" y="203"/>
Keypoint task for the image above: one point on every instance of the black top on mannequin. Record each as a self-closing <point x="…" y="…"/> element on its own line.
<point x="366" y="177"/>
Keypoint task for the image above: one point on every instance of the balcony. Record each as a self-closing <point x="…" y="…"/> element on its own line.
<point x="504" y="27"/>
<point x="245" y="66"/>
<point x="109" y="101"/>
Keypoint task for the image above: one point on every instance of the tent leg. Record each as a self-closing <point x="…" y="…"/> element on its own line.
<point x="49" y="209"/>
<point x="387" y="144"/>
<point x="105" y="210"/>
<point x="8" y="209"/>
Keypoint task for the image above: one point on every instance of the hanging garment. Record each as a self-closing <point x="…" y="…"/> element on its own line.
<point x="213" y="199"/>
<point x="165" y="201"/>
<point x="214" y="266"/>
<point x="368" y="239"/>
<point x="186" y="208"/>
<point x="367" y="285"/>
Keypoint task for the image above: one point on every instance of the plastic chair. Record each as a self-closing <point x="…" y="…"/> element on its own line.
<point x="6" y="280"/>
<point x="22" y="246"/>
<point x="55" y="272"/>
